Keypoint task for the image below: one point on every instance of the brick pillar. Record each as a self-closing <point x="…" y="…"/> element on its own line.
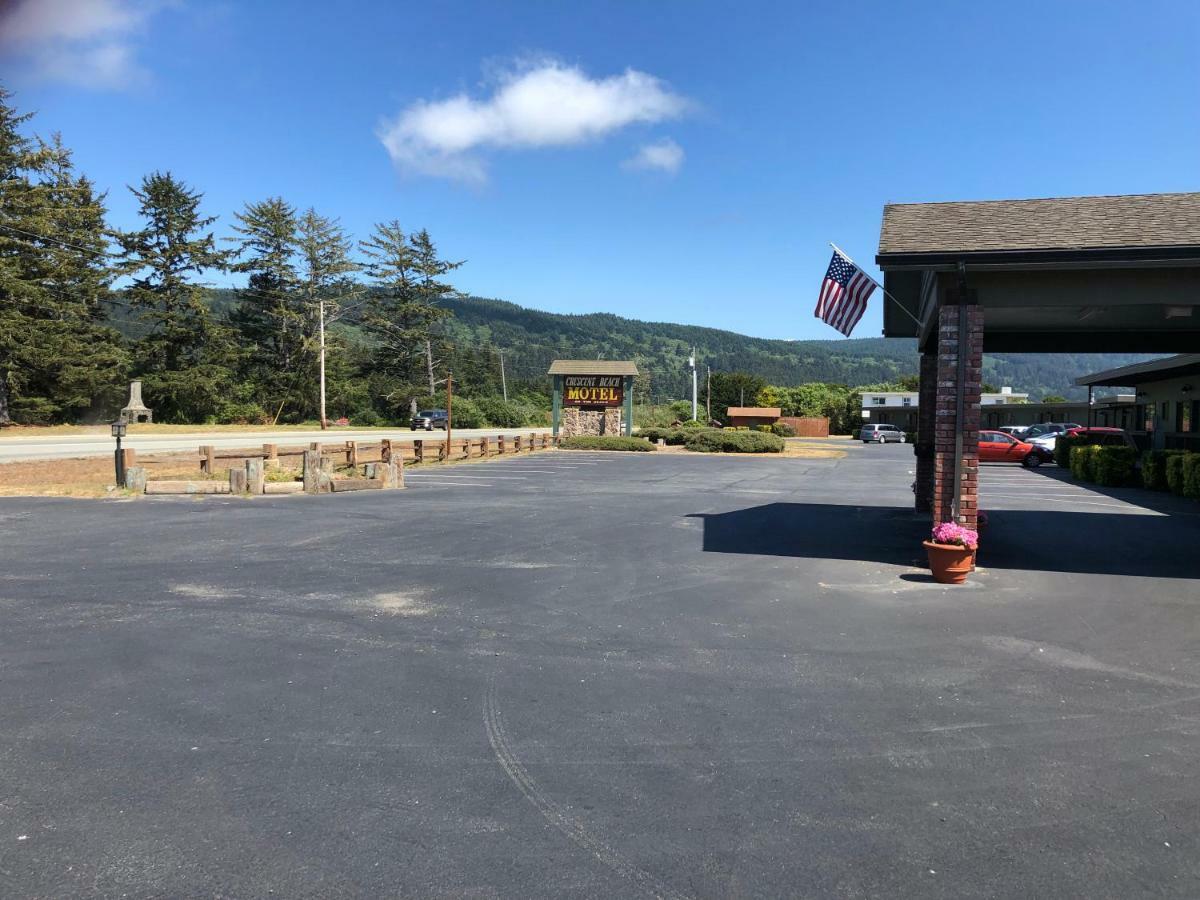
<point x="947" y="380"/>
<point x="923" y="450"/>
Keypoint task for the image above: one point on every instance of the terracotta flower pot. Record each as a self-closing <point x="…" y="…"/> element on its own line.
<point x="950" y="563"/>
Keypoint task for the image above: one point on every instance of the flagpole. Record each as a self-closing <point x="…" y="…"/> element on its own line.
<point x="882" y="289"/>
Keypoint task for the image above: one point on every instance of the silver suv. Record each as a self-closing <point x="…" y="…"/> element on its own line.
<point x="881" y="434"/>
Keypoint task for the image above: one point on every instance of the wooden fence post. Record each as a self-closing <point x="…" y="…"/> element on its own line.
<point x="385" y="450"/>
<point x="254" y="476"/>
<point x="419" y="451"/>
<point x="271" y="455"/>
<point x="312" y="471"/>
<point x="237" y="481"/>
<point x="517" y="444"/>
<point x="128" y="458"/>
<point x="352" y="453"/>
<point x="500" y="445"/>
<point x="208" y="463"/>
<point x="135" y="479"/>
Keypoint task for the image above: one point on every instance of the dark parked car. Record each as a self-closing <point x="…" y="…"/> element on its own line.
<point x="1048" y="428"/>
<point x="1102" y="435"/>
<point x="430" y="419"/>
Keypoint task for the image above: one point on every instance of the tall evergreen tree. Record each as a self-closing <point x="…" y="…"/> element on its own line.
<point x="430" y="268"/>
<point x="59" y="361"/>
<point x="185" y="357"/>
<point x="327" y="266"/>
<point x="272" y="319"/>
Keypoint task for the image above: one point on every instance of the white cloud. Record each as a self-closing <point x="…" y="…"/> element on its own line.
<point x="664" y="156"/>
<point x="91" y="43"/>
<point x="547" y="104"/>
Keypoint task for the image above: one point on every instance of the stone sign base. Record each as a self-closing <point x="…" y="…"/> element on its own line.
<point x="591" y="422"/>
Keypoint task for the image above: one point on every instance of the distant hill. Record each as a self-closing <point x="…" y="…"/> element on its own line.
<point x="531" y="338"/>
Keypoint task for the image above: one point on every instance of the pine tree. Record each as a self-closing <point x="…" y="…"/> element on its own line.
<point x="185" y="358"/>
<point x="59" y="361"/>
<point x="272" y="320"/>
<point x="430" y="290"/>
<point x="325" y="252"/>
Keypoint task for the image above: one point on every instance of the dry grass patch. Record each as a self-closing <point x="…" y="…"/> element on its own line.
<point x="91" y="477"/>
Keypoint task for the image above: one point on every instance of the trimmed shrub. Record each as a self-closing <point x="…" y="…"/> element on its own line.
<point x="605" y="442"/>
<point x="1083" y="465"/>
<point x="672" y="436"/>
<point x="1062" y="451"/>
<point x="1191" y="475"/>
<point x="1154" y="468"/>
<point x="1114" y="466"/>
<point x="1174" y="473"/>
<point x="783" y="429"/>
<point x="734" y="442"/>
<point x="692" y="423"/>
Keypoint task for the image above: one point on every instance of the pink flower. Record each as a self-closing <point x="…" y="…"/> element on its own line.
<point x="953" y="533"/>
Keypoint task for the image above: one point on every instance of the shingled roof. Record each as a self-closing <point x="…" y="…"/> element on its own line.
<point x="1061" y="223"/>
<point x="592" y="367"/>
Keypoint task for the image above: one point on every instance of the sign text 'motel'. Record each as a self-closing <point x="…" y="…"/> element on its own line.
<point x="593" y="390"/>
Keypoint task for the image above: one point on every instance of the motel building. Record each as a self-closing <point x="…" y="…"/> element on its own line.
<point x="1163" y="413"/>
<point x="899" y="408"/>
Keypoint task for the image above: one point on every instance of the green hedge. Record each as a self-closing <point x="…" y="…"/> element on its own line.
<point x="605" y="442"/>
<point x="783" y="429"/>
<point x="1114" y="466"/>
<point x="1083" y="462"/>
<point x="1154" y="468"/>
<point x="1174" y="473"/>
<point x="735" y="442"/>
<point x="1191" y="475"/>
<point x="1062" y="450"/>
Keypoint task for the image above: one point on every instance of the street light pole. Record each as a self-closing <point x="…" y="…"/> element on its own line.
<point x="692" y="363"/>
<point x="118" y="431"/>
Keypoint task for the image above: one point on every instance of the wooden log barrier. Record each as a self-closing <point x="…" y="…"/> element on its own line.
<point x="254" y="476"/>
<point x="312" y="471"/>
<point x="208" y="454"/>
<point x="135" y="479"/>
<point x="237" y="481"/>
<point x="187" y="487"/>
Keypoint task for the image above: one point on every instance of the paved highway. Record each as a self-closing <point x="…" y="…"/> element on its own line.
<point x="80" y="445"/>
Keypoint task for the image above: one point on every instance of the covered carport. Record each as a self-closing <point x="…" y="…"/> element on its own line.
<point x="1072" y="274"/>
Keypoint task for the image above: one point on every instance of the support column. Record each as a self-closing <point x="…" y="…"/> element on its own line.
<point x="628" y="404"/>
<point x="556" y="404"/>
<point x="924" y="447"/>
<point x="948" y="368"/>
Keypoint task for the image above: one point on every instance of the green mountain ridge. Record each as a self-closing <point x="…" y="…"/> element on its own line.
<point x="532" y="338"/>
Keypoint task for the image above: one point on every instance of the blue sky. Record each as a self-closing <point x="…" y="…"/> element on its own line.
<point x="672" y="161"/>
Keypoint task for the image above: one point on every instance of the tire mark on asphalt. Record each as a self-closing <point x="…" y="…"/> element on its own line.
<point x="555" y="814"/>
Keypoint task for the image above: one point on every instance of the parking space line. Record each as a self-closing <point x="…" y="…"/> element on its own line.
<point x="472" y="477"/>
<point x="459" y="483"/>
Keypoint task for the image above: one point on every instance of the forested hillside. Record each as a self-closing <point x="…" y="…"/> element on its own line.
<point x="531" y="338"/>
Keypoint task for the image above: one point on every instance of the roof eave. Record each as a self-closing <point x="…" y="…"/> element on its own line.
<point x="1101" y="256"/>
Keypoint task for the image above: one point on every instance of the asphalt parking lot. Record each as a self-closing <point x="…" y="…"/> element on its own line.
<point x="602" y="675"/>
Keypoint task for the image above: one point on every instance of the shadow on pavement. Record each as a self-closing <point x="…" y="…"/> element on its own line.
<point x="1161" y="546"/>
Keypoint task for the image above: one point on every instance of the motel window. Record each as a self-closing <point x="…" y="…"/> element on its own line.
<point x="879" y="401"/>
<point x="908" y="401"/>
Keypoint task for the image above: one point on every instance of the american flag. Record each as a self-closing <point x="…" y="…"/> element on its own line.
<point x="844" y="293"/>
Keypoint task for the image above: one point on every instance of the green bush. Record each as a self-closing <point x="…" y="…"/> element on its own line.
<point x="783" y="429"/>
<point x="465" y="414"/>
<point x="1062" y="450"/>
<point x="605" y="442"/>
<point x="692" y="423"/>
<point x="1083" y="462"/>
<point x="672" y="436"/>
<point x="1191" y="475"/>
<point x="498" y="413"/>
<point x="734" y="442"/>
<point x="1174" y="473"/>
<point x="1154" y="468"/>
<point x="1114" y="465"/>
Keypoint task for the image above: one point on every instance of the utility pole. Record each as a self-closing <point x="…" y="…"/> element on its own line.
<point x="449" y="410"/>
<point x="692" y="363"/>
<point x="708" y="393"/>
<point x="429" y="365"/>
<point x="503" y="381"/>
<point x="324" y="420"/>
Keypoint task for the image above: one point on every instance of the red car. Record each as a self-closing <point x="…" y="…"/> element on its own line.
<point x="996" y="446"/>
